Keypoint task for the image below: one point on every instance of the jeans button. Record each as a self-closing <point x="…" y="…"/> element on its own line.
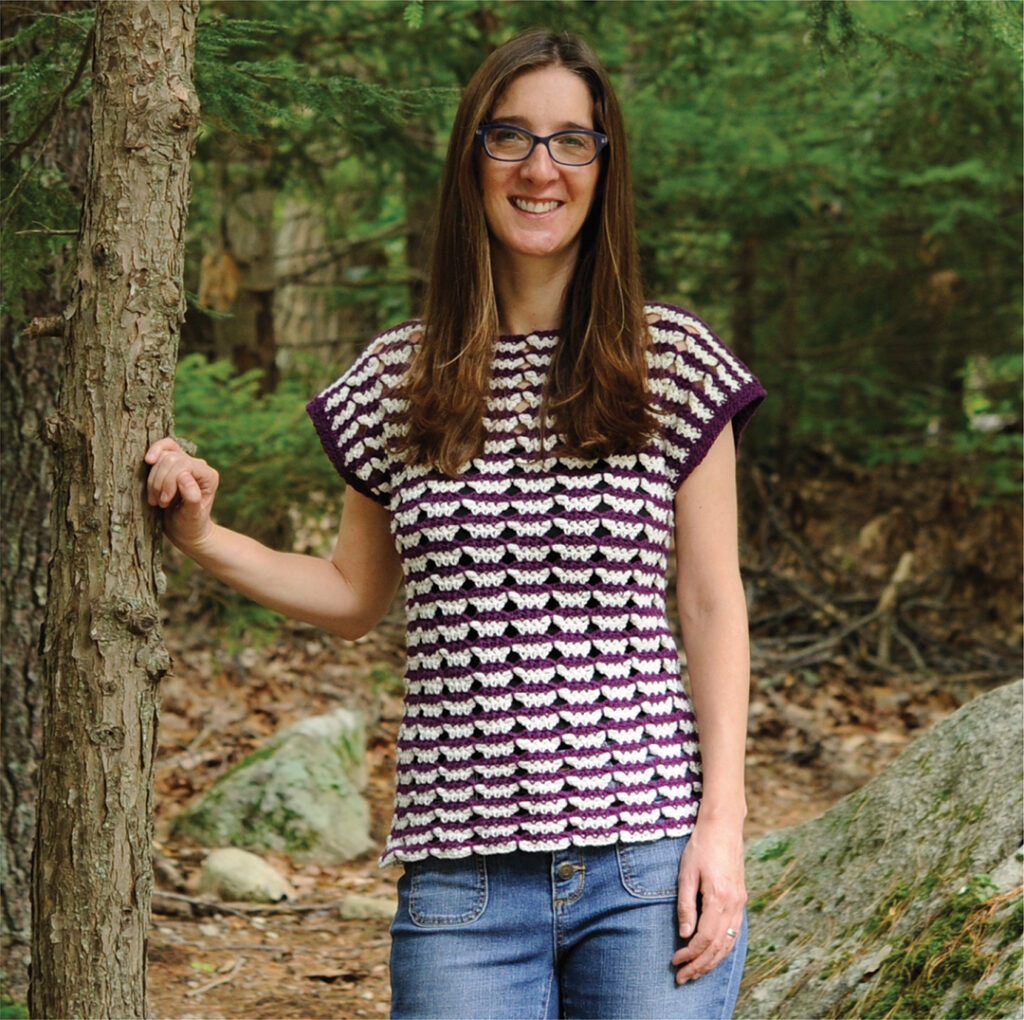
<point x="565" y="871"/>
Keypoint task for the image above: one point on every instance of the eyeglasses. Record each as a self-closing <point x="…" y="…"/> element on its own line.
<point x="514" y="144"/>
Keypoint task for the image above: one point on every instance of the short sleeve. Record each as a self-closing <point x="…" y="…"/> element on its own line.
<point x="357" y="416"/>
<point x="698" y="386"/>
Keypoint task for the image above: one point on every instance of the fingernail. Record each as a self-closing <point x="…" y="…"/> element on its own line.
<point x="685" y="931"/>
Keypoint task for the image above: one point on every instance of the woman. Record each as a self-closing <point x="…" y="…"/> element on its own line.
<point x="522" y="457"/>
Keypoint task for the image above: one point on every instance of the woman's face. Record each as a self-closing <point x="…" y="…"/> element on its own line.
<point x="535" y="208"/>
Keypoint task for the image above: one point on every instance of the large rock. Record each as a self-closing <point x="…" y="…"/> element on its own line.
<point x="301" y="794"/>
<point x="904" y="899"/>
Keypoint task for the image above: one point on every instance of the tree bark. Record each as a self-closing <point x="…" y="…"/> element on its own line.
<point x="30" y="371"/>
<point x="28" y="389"/>
<point x="102" y="651"/>
<point x="744" y="315"/>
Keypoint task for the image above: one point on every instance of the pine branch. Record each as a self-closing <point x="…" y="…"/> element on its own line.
<point x="336" y="252"/>
<point x="58" y="103"/>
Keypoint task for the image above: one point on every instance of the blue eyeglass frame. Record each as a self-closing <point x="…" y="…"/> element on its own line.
<point x="602" y="141"/>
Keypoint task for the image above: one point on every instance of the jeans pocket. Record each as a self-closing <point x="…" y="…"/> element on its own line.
<point x="650" y="871"/>
<point x="445" y="893"/>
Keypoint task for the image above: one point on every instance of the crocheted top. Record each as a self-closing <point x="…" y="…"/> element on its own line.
<point x="544" y="706"/>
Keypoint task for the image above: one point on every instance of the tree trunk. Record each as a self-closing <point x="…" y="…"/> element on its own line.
<point x="28" y="388"/>
<point x="787" y="354"/>
<point x="102" y="650"/>
<point x="744" y="313"/>
<point x="30" y="370"/>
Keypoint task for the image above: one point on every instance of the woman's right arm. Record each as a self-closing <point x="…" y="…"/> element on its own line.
<point x="346" y="595"/>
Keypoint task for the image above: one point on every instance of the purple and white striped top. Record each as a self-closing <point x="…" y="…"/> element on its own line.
<point x="544" y="704"/>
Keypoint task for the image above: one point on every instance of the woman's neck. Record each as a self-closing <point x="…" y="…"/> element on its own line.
<point x="530" y="293"/>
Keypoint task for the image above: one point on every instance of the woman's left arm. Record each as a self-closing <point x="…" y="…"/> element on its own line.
<point x="713" y="613"/>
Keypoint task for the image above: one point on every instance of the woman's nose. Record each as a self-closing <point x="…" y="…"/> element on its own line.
<point x="539" y="165"/>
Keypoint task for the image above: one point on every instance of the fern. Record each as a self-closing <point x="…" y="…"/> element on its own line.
<point x="413" y="13"/>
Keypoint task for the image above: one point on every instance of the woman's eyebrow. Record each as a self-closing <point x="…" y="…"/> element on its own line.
<point x="517" y="121"/>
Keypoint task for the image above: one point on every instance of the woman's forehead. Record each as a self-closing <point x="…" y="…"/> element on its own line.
<point x="553" y="94"/>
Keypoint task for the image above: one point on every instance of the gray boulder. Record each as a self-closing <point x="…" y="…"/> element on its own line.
<point x="301" y="794"/>
<point x="904" y="899"/>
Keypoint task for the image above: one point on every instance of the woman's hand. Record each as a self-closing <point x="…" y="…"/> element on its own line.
<point x="185" y="487"/>
<point x="711" y="866"/>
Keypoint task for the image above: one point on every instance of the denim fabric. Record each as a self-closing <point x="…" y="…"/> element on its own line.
<point x="586" y="932"/>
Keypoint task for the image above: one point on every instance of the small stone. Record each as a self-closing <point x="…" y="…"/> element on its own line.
<point x="355" y="907"/>
<point x="233" y="874"/>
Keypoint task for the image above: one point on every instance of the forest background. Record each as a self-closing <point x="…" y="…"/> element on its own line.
<point x="835" y="186"/>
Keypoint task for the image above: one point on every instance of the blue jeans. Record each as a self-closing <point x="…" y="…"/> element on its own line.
<point x="585" y="932"/>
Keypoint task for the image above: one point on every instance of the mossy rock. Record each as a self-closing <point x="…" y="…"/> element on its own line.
<point x="904" y="899"/>
<point x="301" y="794"/>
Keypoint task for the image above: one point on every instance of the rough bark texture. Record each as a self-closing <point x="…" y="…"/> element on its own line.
<point x="102" y="653"/>
<point x="30" y="370"/>
<point x="905" y="898"/>
<point x="28" y="389"/>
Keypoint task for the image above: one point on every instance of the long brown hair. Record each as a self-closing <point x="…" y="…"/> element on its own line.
<point x="596" y="390"/>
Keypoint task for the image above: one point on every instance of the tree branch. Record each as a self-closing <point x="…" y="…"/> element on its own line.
<point x="47" y="325"/>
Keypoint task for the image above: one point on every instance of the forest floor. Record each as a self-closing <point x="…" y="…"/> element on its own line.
<point x="879" y="605"/>
<point x="304" y="960"/>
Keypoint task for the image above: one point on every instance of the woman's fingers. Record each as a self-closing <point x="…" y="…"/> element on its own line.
<point x="705" y="951"/>
<point x="689" y="886"/>
<point x="184" y="486"/>
<point x="154" y="452"/>
<point x="173" y="472"/>
<point x="168" y="473"/>
<point x="712" y="896"/>
<point x="718" y="928"/>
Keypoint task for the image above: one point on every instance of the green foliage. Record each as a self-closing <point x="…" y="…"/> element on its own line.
<point x="252" y="79"/>
<point x="985" y="446"/>
<point x="234" y="622"/>
<point x="835" y="186"/>
<point x="264" y="446"/>
<point x="271" y="464"/>
<point x="11" y="1010"/>
<point x="413" y="14"/>
<point x="44" y="75"/>
<point x="384" y="680"/>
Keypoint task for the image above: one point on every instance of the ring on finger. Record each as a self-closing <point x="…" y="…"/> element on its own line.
<point x="731" y="932"/>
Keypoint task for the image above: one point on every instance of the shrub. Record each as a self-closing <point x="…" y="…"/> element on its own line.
<point x="264" y="446"/>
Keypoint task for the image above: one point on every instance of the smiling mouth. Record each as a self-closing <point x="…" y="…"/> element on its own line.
<point x="535" y="207"/>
